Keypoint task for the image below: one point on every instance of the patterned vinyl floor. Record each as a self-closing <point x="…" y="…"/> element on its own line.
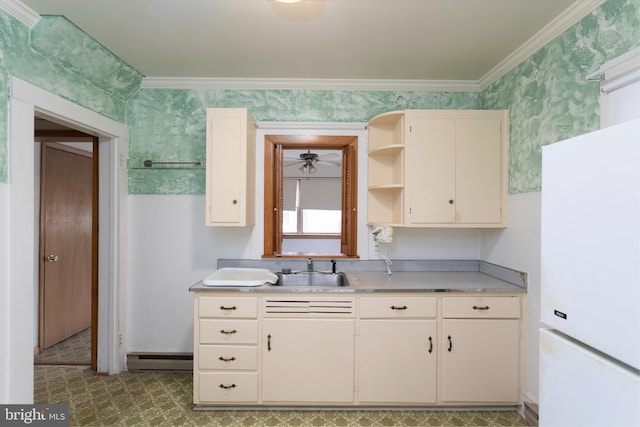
<point x="75" y="350"/>
<point x="165" y="399"/>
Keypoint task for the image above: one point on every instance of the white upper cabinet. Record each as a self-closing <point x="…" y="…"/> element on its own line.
<point x="451" y="169"/>
<point x="386" y="169"/>
<point x="230" y="186"/>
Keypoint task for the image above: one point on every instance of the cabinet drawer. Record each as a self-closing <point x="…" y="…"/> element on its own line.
<point x="397" y="307"/>
<point x="481" y="307"/>
<point x="228" y="331"/>
<point x="228" y="307"/>
<point x="219" y="387"/>
<point x="227" y="357"/>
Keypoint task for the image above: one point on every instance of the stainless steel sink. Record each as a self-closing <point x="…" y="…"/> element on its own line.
<point x="315" y="278"/>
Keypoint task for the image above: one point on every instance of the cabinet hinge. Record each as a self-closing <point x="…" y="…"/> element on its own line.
<point x="410" y="129"/>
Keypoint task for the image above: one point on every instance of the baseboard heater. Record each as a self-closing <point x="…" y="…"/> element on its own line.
<point x="141" y="362"/>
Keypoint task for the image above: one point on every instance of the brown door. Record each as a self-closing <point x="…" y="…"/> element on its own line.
<point x="66" y="248"/>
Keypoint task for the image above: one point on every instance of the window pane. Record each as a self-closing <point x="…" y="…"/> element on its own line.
<point x="289" y="222"/>
<point x="321" y="221"/>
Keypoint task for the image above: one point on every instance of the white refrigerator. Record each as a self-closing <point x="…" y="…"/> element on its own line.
<point x="590" y="280"/>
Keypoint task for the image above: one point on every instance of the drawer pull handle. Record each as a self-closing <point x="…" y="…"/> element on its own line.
<point x="225" y="359"/>
<point x="404" y="307"/>
<point x="227" y="387"/>
<point x="269" y="342"/>
<point x="430" y="345"/>
<point x="450" y="344"/>
<point x="475" y="307"/>
<point x="222" y="331"/>
<point x="222" y="307"/>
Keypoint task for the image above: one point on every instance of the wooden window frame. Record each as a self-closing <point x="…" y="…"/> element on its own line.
<point x="274" y="145"/>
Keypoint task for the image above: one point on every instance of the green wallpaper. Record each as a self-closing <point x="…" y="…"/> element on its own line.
<point x="169" y="125"/>
<point x="547" y="95"/>
<point x="60" y="58"/>
<point x="4" y="124"/>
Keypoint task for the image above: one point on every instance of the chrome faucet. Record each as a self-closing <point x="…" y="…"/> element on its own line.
<point x="309" y="265"/>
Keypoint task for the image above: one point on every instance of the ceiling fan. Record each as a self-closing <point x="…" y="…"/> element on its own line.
<point x="309" y="161"/>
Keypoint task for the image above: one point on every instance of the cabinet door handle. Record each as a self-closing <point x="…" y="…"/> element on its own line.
<point x="450" y="344"/>
<point x="227" y="359"/>
<point x="227" y="387"/>
<point x="485" y="307"/>
<point x="430" y="345"/>
<point x="269" y="342"/>
<point x="404" y="307"/>
<point x="222" y="307"/>
<point x="222" y="331"/>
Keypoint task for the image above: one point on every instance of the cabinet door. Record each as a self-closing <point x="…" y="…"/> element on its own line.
<point x="431" y="152"/>
<point x="308" y="360"/>
<point x="230" y="171"/>
<point x="480" y="360"/>
<point x="397" y="361"/>
<point x="478" y="168"/>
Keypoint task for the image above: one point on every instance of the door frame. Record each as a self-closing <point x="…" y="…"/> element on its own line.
<point x="26" y="102"/>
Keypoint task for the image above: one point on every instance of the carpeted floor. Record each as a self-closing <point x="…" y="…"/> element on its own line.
<point x="165" y="399"/>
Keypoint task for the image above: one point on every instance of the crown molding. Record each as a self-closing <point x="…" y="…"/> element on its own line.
<point x="20" y="11"/>
<point x="560" y="24"/>
<point x="309" y="84"/>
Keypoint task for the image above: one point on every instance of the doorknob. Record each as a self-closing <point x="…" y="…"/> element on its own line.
<point x="52" y="258"/>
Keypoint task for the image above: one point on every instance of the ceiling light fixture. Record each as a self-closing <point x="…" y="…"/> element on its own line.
<point x="307" y="167"/>
<point x="288" y="1"/>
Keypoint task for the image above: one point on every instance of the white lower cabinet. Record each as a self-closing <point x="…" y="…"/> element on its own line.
<point x="225" y="387"/>
<point x="308" y="360"/>
<point x="397" y="361"/>
<point x="396" y="351"/>
<point x="225" y="359"/>
<point x="481" y="350"/>
<point x="402" y="349"/>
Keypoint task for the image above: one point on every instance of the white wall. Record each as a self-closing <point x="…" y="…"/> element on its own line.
<point x="4" y="293"/>
<point x="17" y="379"/>
<point x="171" y="249"/>
<point x="518" y="247"/>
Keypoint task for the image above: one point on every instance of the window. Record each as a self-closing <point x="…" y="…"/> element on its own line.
<point x="312" y="206"/>
<point x="302" y="210"/>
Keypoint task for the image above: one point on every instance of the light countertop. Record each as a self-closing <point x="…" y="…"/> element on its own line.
<point x="407" y="281"/>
